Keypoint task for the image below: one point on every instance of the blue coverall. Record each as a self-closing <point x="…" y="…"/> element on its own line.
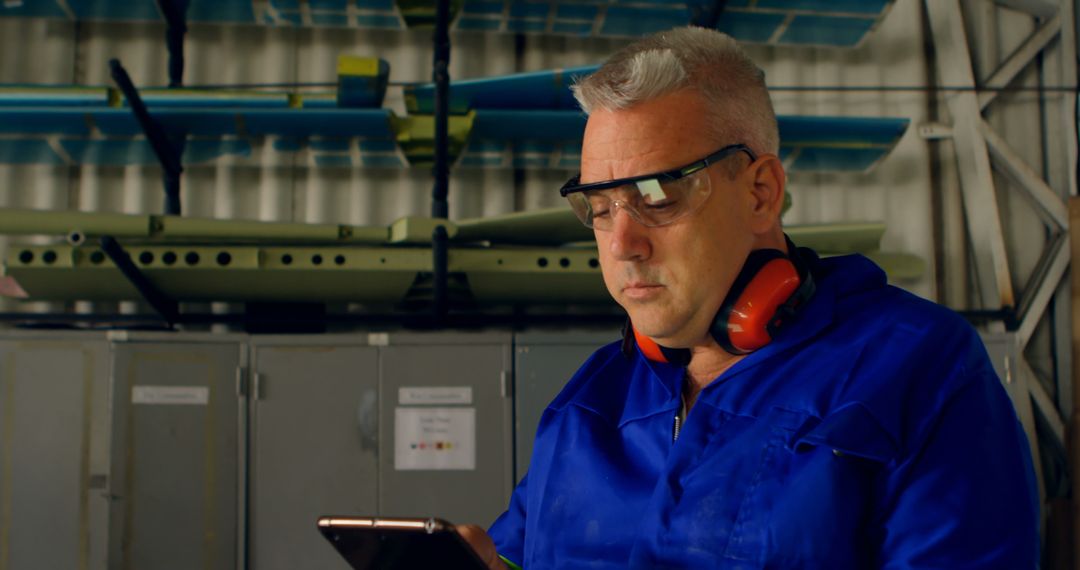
<point x="871" y="433"/>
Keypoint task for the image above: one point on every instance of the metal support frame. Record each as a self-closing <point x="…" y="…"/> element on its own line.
<point x="165" y="307"/>
<point x="166" y="151"/>
<point x="979" y="148"/>
<point x="439" y="205"/>
<point x="175" y="14"/>
<point x="976" y="179"/>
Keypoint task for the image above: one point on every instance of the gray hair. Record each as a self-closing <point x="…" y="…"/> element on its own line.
<point x="707" y="61"/>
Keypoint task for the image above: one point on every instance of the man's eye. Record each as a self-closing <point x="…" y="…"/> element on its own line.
<point x="601" y="213"/>
<point x="662" y="205"/>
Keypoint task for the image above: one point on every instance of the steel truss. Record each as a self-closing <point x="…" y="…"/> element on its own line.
<point x="979" y="151"/>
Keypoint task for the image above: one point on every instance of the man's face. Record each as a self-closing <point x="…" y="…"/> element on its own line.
<point x="670" y="279"/>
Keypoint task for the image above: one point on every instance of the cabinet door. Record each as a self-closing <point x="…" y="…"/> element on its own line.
<point x="456" y="391"/>
<point x="53" y="453"/>
<point x="543" y="363"/>
<point x="313" y="450"/>
<point x="175" y="456"/>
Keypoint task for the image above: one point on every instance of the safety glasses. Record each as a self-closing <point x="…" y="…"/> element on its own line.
<point x="650" y="199"/>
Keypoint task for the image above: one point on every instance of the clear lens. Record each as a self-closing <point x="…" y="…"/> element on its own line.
<point x="652" y="202"/>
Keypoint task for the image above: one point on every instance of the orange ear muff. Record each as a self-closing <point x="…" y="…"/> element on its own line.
<point x="648" y="347"/>
<point x="750" y="321"/>
<point x="767" y="290"/>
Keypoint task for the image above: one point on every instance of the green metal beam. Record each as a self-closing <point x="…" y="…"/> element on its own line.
<point x="317" y="274"/>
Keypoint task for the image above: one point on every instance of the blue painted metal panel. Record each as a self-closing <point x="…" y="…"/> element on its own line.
<point x="577" y="12"/>
<point x="826" y="30"/>
<point x="378" y="146"/>
<point x="180" y="99"/>
<point x="329" y="5"/>
<point x="572" y="28"/>
<point x="526" y="26"/>
<point x="851" y="131"/>
<point x="380" y="21"/>
<point x="482" y="7"/>
<point x="537" y="90"/>
<point x="387" y="5"/>
<point x="382" y="161"/>
<point x="292" y="17"/>
<point x="333" y="19"/>
<point x="33" y="9"/>
<point x="478" y="24"/>
<point x="220" y="11"/>
<point x="826" y="159"/>
<point x="115" y="9"/>
<point x="36" y="96"/>
<point x="329" y="145"/>
<point x="369" y="123"/>
<point x="208" y="122"/>
<point x="333" y="160"/>
<point x="750" y="26"/>
<point x="873" y="7"/>
<point x="822" y="22"/>
<point x="44" y="120"/>
<point x="530" y="10"/>
<point x="626" y="21"/>
<point x="28" y="151"/>
<point x="288" y="144"/>
<point x="480" y="161"/>
<point x="528" y="125"/>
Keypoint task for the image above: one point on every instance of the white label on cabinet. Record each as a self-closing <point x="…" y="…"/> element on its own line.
<point x="438" y="439"/>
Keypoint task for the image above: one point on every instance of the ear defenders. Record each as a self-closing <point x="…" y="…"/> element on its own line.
<point x="768" y="292"/>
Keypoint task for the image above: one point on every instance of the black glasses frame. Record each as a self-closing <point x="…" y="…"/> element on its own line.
<point x="572" y="186"/>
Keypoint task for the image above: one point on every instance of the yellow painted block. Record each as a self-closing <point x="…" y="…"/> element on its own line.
<point x="353" y="65"/>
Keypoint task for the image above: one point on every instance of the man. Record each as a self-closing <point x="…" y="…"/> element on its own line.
<point x="859" y="427"/>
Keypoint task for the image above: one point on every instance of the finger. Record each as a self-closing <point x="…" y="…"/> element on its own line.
<point x="480" y="542"/>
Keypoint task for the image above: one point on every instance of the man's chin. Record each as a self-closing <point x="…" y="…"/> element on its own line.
<point x="664" y="333"/>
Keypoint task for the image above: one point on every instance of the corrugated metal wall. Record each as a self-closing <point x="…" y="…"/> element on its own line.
<point x="902" y="191"/>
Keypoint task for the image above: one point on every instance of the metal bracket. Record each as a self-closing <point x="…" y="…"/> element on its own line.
<point x="935" y="131"/>
<point x="165" y="307"/>
<point x="167" y="153"/>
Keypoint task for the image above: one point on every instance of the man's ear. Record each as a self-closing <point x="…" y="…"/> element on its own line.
<point x="769" y="182"/>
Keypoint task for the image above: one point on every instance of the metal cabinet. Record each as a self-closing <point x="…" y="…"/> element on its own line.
<point x="197" y="451"/>
<point x="543" y="363"/>
<point x="458" y="385"/>
<point x="176" y="423"/>
<point x="313" y="447"/>
<point x="53" y="450"/>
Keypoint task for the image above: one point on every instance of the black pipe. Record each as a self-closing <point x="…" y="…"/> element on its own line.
<point x="175" y="14"/>
<point x="167" y="308"/>
<point x="166" y="152"/>
<point x="439" y="253"/>
<point x="441" y="76"/>
<point x="439" y="207"/>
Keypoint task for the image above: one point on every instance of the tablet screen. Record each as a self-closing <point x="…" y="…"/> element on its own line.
<point x="391" y="544"/>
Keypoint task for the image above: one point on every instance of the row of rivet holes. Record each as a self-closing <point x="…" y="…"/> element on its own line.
<point x="224" y="258"/>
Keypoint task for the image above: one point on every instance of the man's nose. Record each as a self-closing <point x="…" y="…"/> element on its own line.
<point x="629" y="238"/>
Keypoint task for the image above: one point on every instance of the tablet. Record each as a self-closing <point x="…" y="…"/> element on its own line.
<point x="369" y="543"/>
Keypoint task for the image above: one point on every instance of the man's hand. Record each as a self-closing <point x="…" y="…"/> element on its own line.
<point x="479" y="540"/>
